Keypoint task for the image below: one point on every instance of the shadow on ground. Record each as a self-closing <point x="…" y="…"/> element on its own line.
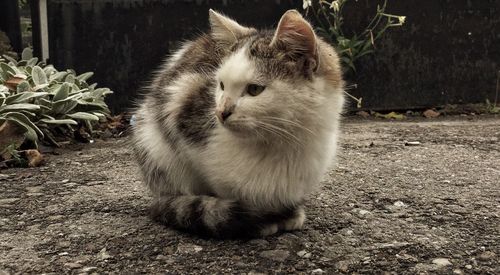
<point x="430" y="208"/>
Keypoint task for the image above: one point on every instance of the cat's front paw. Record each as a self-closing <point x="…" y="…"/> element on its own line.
<point x="294" y="223"/>
<point x="269" y="229"/>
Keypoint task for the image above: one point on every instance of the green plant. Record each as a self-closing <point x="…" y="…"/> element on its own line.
<point x="42" y="100"/>
<point x="329" y="15"/>
<point x="12" y="151"/>
<point x="22" y="3"/>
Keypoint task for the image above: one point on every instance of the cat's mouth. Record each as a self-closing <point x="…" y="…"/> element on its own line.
<point x="237" y="125"/>
<point x="234" y="125"/>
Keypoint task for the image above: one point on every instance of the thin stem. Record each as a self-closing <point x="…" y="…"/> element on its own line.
<point x="358" y="100"/>
<point x="315" y="13"/>
<point x="496" y="95"/>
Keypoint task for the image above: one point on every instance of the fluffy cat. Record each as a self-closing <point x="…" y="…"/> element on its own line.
<point x="238" y="127"/>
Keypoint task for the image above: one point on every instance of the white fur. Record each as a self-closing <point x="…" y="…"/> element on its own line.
<point x="183" y="178"/>
<point x="236" y="73"/>
<point x="294" y="223"/>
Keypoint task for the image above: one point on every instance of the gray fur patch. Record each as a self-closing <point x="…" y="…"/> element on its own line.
<point x="197" y="118"/>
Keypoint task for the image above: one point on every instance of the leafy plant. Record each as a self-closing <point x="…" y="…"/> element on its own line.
<point x="22" y="3"/>
<point x="329" y="15"/>
<point x="42" y="100"/>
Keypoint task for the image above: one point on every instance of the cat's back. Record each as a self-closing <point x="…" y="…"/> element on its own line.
<point x="199" y="56"/>
<point x="180" y="91"/>
<point x="174" y="111"/>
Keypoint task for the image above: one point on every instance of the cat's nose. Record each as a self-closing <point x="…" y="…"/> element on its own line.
<point x="225" y="114"/>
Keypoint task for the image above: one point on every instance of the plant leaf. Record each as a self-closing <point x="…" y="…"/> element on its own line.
<point x="83" y="116"/>
<point x="38" y="76"/>
<point x="4" y="89"/>
<point x="85" y="76"/>
<point x="19" y="107"/>
<point x="70" y="79"/>
<point x="32" y="62"/>
<point x="23" y="118"/>
<point x="58" y="121"/>
<point x="29" y="132"/>
<point x="7" y="69"/>
<point x="61" y="93"/>
<point x="41" y="86"/>
<point x="391" y="115"/>
<point x="10" y="59"/>
<point x="99" y="115"/>
<point x="57" y="76"/>
<point x="24" y="86"/>
<point x="25" y="96"/>
<point x="63" y="106"/>
<point x="27" y="54"/>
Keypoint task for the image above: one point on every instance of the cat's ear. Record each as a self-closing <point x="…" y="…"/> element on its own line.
<point x="297" y="35"/>
<point x="225" y="29"/>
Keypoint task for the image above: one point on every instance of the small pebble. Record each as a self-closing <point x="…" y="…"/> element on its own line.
<point x="275" y="255"/>
<point x="441" y="262"/>
<point x="73" y="265"/>
<point x="363" y="212"/>
<point x="188" y="248"/>
<point x="487" y="255"/>
<point x="103" y="254"/>
<point x="342" y="266"/>
<point x="399" y="204"/>
<point x="304" y="254"/>
<point x="88" y="268"/>
<point x="468" y="266"/>
<point x="161" y="257"/>
<point x="318" y="271"/>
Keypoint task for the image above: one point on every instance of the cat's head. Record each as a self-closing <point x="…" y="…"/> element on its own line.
<point x="274" y="82"/>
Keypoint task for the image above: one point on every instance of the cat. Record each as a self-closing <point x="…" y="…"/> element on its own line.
<point x="238" y="127"/>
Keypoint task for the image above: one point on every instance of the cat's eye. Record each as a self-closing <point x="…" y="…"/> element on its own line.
<point x="254" y="89"/>
<point x="221" y="85"/>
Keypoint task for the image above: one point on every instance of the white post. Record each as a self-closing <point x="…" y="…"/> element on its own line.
<point x="44" y="30"/>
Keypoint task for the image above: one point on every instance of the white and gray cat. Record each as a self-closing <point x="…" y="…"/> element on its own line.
<point x="238" y="127"/>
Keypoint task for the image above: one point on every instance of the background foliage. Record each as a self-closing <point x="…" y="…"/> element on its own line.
<point x="43" y="101"/>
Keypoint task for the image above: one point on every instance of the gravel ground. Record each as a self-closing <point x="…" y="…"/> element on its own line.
<point x="388" y="207"/>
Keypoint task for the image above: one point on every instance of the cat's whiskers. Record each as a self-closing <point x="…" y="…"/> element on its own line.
<point x="289" y="122"/>
<point x="266" y="127"/>
<point x="287" y="135"/>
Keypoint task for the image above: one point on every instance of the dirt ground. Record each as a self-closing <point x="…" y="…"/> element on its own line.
<point x="432" y="207"/>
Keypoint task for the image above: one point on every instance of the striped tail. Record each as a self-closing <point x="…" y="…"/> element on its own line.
<point x="209" y="216"/>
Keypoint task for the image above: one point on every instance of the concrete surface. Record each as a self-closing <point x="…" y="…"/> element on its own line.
<point x="428" y="208"/>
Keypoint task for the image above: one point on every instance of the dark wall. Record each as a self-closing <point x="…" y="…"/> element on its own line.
<point x="124" y="41"/>
<point x="447" y="52"/>
<point x="10" y="24"/>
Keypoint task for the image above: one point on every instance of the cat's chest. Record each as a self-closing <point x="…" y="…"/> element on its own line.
<point x="267" y="173"/>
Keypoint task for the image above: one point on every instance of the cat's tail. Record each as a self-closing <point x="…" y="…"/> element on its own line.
<point x="221" y="218"/>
